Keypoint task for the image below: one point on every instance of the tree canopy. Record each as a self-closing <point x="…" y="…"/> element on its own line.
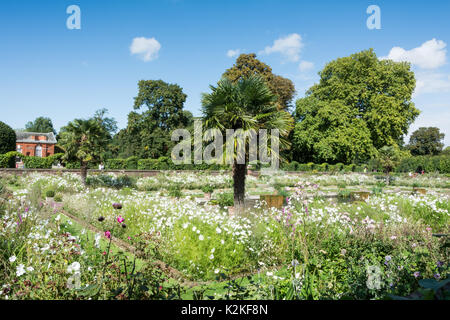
<point x="7" y="138"/>
<point x="360" y="104"/>
<point x="40" y="124"/>
<point x="148" y="133"/>
<point x="247" y="65"/>
<point x="426" y="141"/>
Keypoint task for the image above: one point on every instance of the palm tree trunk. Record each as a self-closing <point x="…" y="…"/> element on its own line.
<point x="83" y="170"/>
<point x="239" y="172"/>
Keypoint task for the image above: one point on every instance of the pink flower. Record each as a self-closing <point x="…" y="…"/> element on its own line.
<point x="108" y="234"/>
<point x="428" y="229"/>
<point x="120" y="219"/>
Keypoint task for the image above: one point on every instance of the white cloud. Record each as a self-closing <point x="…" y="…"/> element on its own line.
<point x="146" y="48"/>
<point x="305" y="66"/>
<point x="432" y="83"/>
<point x="289" y="46"/>
<point x="233" y="53"/>
<point x="430" y="55"/>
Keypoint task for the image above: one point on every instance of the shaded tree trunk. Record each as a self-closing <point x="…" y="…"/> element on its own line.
<point x="83" y="170"/>
<point x="239" y="173"/>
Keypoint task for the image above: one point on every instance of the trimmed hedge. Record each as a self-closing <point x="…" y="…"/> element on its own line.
<point x="8" y="160"/>
<point x="440" y="163"/>
<point x="130" y="163"/>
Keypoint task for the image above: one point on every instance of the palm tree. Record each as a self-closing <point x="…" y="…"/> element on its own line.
<point x="84" y="140"/>
<point x="248" y="105"/>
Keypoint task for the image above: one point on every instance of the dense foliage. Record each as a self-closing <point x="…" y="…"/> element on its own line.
<point x="7" y="138"/>
<point x="360" y="105"/>
<point x="40" y="124"/>
<point x="247" y="65"/>
<point x="426" y="141"/>
<point x="148" y="133"/>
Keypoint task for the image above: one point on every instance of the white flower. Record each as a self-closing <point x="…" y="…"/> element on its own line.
<point x="74" y="267"/>
<point x="218" y="230"/>
<point x="269" y="274"/>
<point x="12" y="259"/>
<point x="222" y="241"/>
<point x="201" y="237"/>
<point x="30" y="269"/>
<point x="20" y="270"/>
<point x="216" y="271"/>
<point x="211" y="257"/>
<point x="213" y="249"/>
<point x="97" y="240"/>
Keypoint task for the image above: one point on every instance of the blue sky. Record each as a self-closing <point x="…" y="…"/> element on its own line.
<point x="48" y="70"/>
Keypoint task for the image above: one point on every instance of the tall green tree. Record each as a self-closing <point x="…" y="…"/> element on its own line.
<point x="40" y="124"/>
<point x="446" y="151"/>
<point x="84" y="140"/>
<point x="360" y="104"/>
<point x="426" y="141"/>
<point x="247" y="65"/>
<point x="148" y="133"/>
<point x="249" y="105"/>
<point x="7" y="138"/>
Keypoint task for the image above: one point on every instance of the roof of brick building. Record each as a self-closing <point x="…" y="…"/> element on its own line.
<point x="28" y="137"/>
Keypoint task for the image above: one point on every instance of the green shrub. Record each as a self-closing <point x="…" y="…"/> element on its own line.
<point x="225" y="199"/>
<point x="58" y="198"/>
<point x="115" y="164"/>
<point x="331" y="168"/>
<point x="8" y="160"/>
<point x="131" y="163"/>
<point x="323" y="167"/>
<point x="208" y="188"/>
<point x="440" y="163"/>
<point x="7" y="138"/>
<point x="291" y="166"/>
<point x="349" y="168"/>
<point x="36" y="163"/>
<point x="339" y="166"/>
<point x="175" y="191"/>
<point x="50" y="193"/>
<point x="147" y="164"/>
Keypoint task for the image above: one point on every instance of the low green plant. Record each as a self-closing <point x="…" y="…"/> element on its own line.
<point x="225" y="199"/>
<point x="208" y="188"/>
<point x="175" y="191"/>
<point x="50" y="193"/>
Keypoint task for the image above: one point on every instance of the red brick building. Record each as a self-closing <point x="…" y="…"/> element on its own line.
<point x="35" y="144"/>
